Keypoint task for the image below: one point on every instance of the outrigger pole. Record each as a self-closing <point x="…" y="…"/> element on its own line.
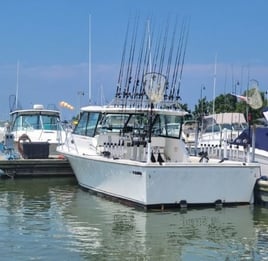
<point x="89" y="60"/>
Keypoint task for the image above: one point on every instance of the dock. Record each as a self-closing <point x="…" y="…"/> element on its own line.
<point x="51" y="167"/>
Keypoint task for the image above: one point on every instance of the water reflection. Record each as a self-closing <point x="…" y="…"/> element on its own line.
<point x="53" y="218"/>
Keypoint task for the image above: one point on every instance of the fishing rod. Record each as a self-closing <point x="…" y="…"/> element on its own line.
<point x="146" y="61"/>
<point x="183" y="59"/>
<point x="156" y="51"/>
<point x="130" y="61"/>
<point x="170" y="59"/>
<point x="133" y="54"/>
<point x="141" y="89"/>
<point x="163" y="51"/>
<point x="176" y="67"/>
<point x="118" y="93"/>
<point x="178" y="63"/>
<point x="136" y="82"/>
<point x="127" y="73"/>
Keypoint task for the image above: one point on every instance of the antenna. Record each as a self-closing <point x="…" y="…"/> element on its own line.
<point x="214" y="84"/>
<point x="17" y="86"/>
<point x="149" y="44"/>
<point x="89" y="59"/>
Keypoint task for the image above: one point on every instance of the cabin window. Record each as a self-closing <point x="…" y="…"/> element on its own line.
<point x="113" y="122"/>
<point x="17" y="125"/>
<point x="50" y="122"/>
<point x="138" y="123"/>
<point x="213" y="128"/>
<point x="82" y="124"/>
<point x="26" y="123"/>
<point x="167" y="125"/>
<point x="92" y="123"/>
<point x="87" y="124"/>
<point x="226" y="126"/>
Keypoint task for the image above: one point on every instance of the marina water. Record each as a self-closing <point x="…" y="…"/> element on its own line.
<point x="53" y="219"/>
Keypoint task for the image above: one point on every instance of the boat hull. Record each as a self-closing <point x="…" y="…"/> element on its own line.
<point x="167" y="184"/>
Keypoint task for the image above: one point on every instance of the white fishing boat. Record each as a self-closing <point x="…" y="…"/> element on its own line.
<point x="130" y="150"/>
<point x="214" y="125"/>
<point x="37" y="131"/>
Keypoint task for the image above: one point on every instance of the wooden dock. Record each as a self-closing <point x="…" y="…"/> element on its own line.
<point x="50" y="167"/>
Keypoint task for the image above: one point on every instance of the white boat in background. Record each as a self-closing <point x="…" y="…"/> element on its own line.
<point x="212" y="133"/>
<point x="190" y="131"/>
<point x="37" y="131"/>
<point x="132" y="149"/>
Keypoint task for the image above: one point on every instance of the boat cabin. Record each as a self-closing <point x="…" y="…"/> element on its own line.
<point x="96" y="122"/>
<point x="127" y="133"/>
<point x="35" y="119"/>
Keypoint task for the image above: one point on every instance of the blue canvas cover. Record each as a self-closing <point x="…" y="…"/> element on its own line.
<point x="261" y="134"/>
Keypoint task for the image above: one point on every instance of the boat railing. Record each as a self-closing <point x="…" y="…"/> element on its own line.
<point x="163" y="149"/>
<point x="223" y="150"/>
<point x="61" y="133"/>
<point x="232" y="152"/>
<point x="69" y="141"/>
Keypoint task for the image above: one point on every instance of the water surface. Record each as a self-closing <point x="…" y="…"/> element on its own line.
<point x="53" y="219"/>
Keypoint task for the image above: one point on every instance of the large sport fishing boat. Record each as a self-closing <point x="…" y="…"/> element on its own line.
<point x="131" y="149"/>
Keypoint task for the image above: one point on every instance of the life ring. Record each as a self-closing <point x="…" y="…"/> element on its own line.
<point x="23" y="138"/>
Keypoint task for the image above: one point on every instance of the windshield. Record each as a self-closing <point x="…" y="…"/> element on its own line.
<point x="93" y="123"/>
<point x="36" y="122"/>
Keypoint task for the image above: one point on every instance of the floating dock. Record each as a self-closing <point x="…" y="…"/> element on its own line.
<point x="35" y="160"/>
<point x="35" y="168"/>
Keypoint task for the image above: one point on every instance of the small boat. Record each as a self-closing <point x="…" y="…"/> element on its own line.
<point x="132" y="149"/>
<point x="36" y="132"/>
<point x="190" y="131"/>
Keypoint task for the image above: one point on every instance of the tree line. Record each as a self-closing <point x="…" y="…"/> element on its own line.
<point x="227" y="103"/>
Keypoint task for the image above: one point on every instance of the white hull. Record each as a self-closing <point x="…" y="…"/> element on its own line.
<point x="53" y="138"/>
<point x="152" y="184"/>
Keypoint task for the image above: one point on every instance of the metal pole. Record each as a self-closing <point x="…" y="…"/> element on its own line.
<point x="201" y="99"/>
<point x="80" y="94"/>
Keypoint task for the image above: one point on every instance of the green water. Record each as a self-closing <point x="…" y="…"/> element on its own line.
<point x="53" y="219"/>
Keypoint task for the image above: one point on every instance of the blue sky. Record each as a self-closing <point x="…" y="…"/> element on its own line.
<point x="49" y="38"/>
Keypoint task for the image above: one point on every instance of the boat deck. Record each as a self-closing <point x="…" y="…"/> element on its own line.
<point x="50" y="167"/>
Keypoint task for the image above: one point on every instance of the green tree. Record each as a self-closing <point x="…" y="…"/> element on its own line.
<point x="229" y="103"/>
<point x="202" y="108"/>
<point x="185" y="107"/>
<point x="225" y="103"/>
